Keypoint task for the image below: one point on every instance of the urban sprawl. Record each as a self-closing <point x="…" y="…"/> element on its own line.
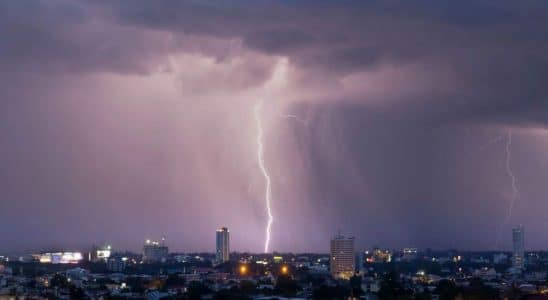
<point x="344" y="273"/>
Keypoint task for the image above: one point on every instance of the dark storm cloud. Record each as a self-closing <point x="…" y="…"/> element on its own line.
<point x="279" y="41"/>
<point x="487" y="46"/>
<point x="496" y="50"/>
<point x="66" y="36"/>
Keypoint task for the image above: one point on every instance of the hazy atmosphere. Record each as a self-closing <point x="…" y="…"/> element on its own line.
<point x="400" y="124"/>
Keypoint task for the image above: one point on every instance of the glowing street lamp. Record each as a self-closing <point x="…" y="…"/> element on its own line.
<point x="243" y="270"/>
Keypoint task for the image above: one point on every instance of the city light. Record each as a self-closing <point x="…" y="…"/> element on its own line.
<point x="60" y="258"/>
<point x="243" y="270"/>
<point x="104" y="253"/>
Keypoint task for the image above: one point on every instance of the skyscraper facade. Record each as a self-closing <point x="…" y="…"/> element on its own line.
<point x="518" y="243"/>
<point x="223" y="245"/>
<point x="343" y="259"/>
<point x="154" y="251"/>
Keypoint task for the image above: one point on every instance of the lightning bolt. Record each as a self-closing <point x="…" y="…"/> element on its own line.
<point x="515" y="190"/>
<point x="514" y="183"/>
<point x="296" y="118"/>
<point x="264" y="171"/>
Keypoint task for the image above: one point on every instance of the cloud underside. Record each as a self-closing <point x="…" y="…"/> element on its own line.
<point x="468" y="60"/>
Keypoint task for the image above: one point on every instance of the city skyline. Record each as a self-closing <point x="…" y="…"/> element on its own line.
<point x="222" y="248"/>
<point x="404" y="125"/>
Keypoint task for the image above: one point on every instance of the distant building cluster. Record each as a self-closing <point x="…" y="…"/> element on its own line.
<point x="59" y="257"/>
<point x="343" y="273"/>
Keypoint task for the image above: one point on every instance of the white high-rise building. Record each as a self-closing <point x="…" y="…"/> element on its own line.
<point x="343" y="259"/>
<point x="223" y="245"/>
<point x="518" y="242"/>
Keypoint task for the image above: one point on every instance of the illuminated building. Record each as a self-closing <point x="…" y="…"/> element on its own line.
<point x="100" y="254"/>
<point x="382" y="255"/>
<point x="343" y="259"/>
<point x="278" y="259"/>
<point x="222" y="245"/>
<point x="518" y="242"/>
<point x="378" y="256"/>
<point x="104" y="254"/>
<point x="410" y="254"/>
<point x="154" y="251"/>
<point x="59" y="257"/>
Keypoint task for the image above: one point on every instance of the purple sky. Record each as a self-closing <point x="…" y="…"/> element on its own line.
<point x="126" y="120"/>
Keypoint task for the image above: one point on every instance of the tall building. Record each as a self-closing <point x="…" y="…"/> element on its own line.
<point x="155" y="251"/>
<point x="223" y="245"/>
<point x="360" y="262"/>
<point x="98" y="254"/>
<point x="518" y="242"/>
<point x="343" y="259"/>
<point x="117" y="264"/>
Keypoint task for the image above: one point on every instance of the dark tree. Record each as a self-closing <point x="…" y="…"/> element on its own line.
<point x="447" y="290"/>
<point x="76" y="293"/>
<point x="425" y="295"/>
<point x="478" y="290"/>
<point x="286" y="286"/>
<point x="174" y="280"/>
<point x="356" y="286"/>
<point x="59" y="281"/>
<point x="196" y="289"/>
<point x="327" y="293"/>
<point x="230" y="295"/>
<point x="247" y="287"/>
<point x="391" y="288"/>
